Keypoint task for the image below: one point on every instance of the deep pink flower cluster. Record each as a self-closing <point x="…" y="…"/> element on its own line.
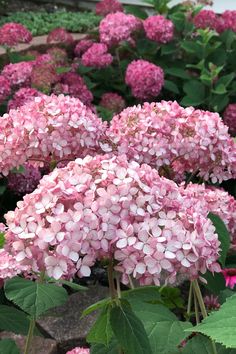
<point x="5" y="88"/>
<point x="112" y="101"/>
<point x="60" y="35"/>
<point x="229" y="118"/>
<point x="159" y="29"/>
<point x="103" y="207"/>
<point x="97" y="56"/>
<point x="22" y="96"/>
<point x="106" y="7"/>
<point x="166" y="135"/>
<point x="18" y="74"/>
<point x="43" y="76"/>
<point x="79" y="350"/>
<point x="48" y="128"/>
<point x="218" y="202"/>
<point x="228" y="20"/>
<point x="73" y="84"/>
<point x="205" y="19"/>
<point x="25" y="182"/>
<point x="145" y="79"/>
<point x="82" y="46"/>
<point x="59" y="56"/>
<point x="42" y="59"/>
<point x="12" y="34"/>
<point x="118" y="27"/>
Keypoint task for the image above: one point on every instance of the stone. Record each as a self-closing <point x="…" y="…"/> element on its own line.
<point x="65" y="325"/>
<point x="39" y="345"/>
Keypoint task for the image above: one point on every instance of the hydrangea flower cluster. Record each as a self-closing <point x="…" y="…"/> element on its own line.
<point x="18" y="74"/>
<point x="79" y="350"/>
<point x="73" y="84"/>
<point x="118" y="27"/>
<point x="229" y="118"/>
<point x="159" y="29"/>
<point x="25" y="182"/>
<point x="217" y="201"/>
<point x="43" y="76"/>
<point x="59" y="56"/>
<point x="106" y="7"/>
<point x="145" y="79"/>
<point x="9" y="267"/>
<point x="112" y="101"/>
<point x="5" y="88"/>
<point x="97" y="56"/>
<point x="106" y="206"/>
<point x="48" y="128"/>
<point x="168" y="136"/>
<point x="205" y="19"/>
<point x="12" y="34"/>
<point x="228" y="20"/>
<point x="22" y="96"/>
<point x="82" y="46"/>
<point x="60" y="35"/>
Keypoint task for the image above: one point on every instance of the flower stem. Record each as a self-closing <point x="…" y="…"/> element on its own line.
<point x="190" y="296"/>
<point x="111" y="279"/>
<point x="29" y="336"/>
<point x="196" y="308"/>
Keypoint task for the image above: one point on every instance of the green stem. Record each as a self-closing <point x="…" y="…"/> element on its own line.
<point x="190" y="296"/>
<point x="29" y="336"/>
<point x="196" y="308"/>
<point x="131" y="282"/>
<point x="111" y="279"/>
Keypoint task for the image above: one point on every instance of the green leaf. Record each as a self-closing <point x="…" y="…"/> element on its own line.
<point x="171" y="86"/>
<point x="226" y="79"/>
<point x="113" y="348"/>
<point x="33" y="297"/>
<point x="20" y="169"/>
<point x="101" y="331"/>
<point x="219" y="104"/>
<point x="62" y="69"/>
<point x="98" y="305"/>
<point x="195" y="91"/>
<point x="136" y="11"/>
<point x="191" y="47"/>
<point x="129" y="330"/>
<point x="171" y="298"/>
<point x="198" y="344"/>
<point x="224" y="294"/>
<point x="70" y="284"/>
<point x="144" y="294"/>
<point x="2" y="239"/>
<point x="153" y="312"/>
<point x="215" y="282"/>
<point x="178" y="72"/>
<point x="2" y="189"/>
<point x="223" y="236"/>
<point x="220" y="89"/>
<point x="13" y="320"/>
<point x="8" y="346"/>
<point x="220" y="325"/>
<point x="167" y="49"/>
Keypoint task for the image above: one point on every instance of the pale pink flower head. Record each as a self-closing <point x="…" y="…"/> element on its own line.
<point x="25" y="182"/>
<point x="230" y="276"/>
<point x="159" y="29"/>
<point x="176" y="139"/>
<point x="44" y="76"/>
<point x="229" y="118"/>
<point x="105" y="7"/>
<point x="118" y="27"/>
<point x="18" y="74"/>
<point x="79" y="350"/>
<point x="5" y="88"/>
<point x="60" y="35"/>
<point x="22" y="96"/>
<point x="12" y="34"/>
<point x="9" y="266"/>
<point x="205" y="19"/>
<point x="145" y="79"/>
<point x="82" y="46"/>
<point x="97" y="56"/>
<point x="112" y="101"/>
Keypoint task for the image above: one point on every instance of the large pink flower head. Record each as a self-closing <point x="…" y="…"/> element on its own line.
<point x="217" y="201"/>
<point x="22" y="96"/>
<point x="82" y="46"/>
<point x="60" y="35"/>
<point x="144" y="78"/>
<point x="97" y="56"/>
<point x="73" y="84"/>
<point x="227" y="21"/>
<point x="18" y="74"/>
<point x="106" y="7"/>
<point x="59" y="56"/>
<point x="229" y="117"/>
<point x="43" y="76"/>
<point x="166" y="135"/>
<point x="159" y="29"/>
<point x="48" y="128"/>
<point x="26" y="181"/>
<point x="12" y="34"/>
<point x="206" y="19"/>
<point x="108" y="207"/>
<point x="112" y="101"/>
<point x="118" y="27"/>
<point x="5" y="88"/>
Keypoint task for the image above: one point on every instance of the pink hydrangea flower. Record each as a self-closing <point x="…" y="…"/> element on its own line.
<point x="73" y="84"/>
<point x="176" y="139"/>
<point x="230" y="276"/>
<point x="229" y="118"/>
<point x="5" y="88"/>
<point x="25" y="182"/>
<point x="82" y="46"/>
<point x="79" y="350"/>
<point x="106" y="206"/>
<point x="159" y="29"/>
<point x="60" y="35"/>
<point x="106" y="7"/>
<point x="97" y="56"/>
<point x="22" y="96"/>
<point x="206" y="19"/>
<point x="44" y="76"/>
<point x="145" y="79"/>
<point x="113" y="102"/>
<point x="12" y="34"/>
<point x="227" y="21"/>
<point x="18" y="74"/>
<point x="9" y="267"/>
<point x="49" y="128"/>
<point x="118" y="27"/>
<point x="59" y="56"/>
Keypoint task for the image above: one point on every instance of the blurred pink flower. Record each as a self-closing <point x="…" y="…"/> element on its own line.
<point x="230" y="276"/>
